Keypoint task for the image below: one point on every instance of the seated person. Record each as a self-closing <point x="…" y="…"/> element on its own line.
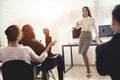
<point x="108" y="54"/>
<point x="14" y="51"/>
<point x="49" y="63"/>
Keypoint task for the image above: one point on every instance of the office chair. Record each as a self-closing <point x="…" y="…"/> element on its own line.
<point x="17" y="70"/>
<point x="44" y="73"/>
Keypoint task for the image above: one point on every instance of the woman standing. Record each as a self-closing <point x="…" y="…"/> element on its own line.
<point x="87" y="24"/>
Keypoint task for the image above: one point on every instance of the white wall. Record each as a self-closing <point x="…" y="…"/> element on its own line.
<point x="58" y="15"/>
<point x="103" y="10"/>
<point x="54" y="14"/>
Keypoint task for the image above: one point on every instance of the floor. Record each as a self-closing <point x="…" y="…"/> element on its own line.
<point x="78" y="73"/>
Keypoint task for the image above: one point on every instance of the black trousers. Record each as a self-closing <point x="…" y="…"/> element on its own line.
<point x="51" y="62"/>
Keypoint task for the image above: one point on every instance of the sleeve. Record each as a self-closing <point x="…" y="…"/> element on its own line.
<point x="0" y="60"/>
<point x="94" y="27"/>
<point x="93" y="23"/>
<point x="36" y="58"/>
<point x="1" y="57"/>
<point x="48" y="40"/>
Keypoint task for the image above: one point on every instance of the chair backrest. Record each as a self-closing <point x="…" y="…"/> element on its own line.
<point x="17" y="70"/>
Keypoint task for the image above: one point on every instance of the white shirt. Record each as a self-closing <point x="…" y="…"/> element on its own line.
<point x="87" y="24"/>
<point x="20" y="53"/>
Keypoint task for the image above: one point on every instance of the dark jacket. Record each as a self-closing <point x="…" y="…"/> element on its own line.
<point x="36" y="45"/>
<point x="108" y="58"/>
<point x="48" y="39"/>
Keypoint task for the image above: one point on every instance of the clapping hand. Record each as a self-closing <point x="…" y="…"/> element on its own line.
<point x="53" y="43"/>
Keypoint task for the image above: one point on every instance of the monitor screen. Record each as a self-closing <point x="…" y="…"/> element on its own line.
<point x="105" y="31"/>
<point x="76" y="33"/>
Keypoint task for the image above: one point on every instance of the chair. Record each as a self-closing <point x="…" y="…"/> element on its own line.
<point x="17" y="70"/>
<point x="46" y="74"/>
<point x="43" y="75"/>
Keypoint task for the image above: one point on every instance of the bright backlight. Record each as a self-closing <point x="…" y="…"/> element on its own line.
<point x="49" y="12"/>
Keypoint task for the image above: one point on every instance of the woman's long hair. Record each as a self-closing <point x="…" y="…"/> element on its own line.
<point x="28" y="32"/>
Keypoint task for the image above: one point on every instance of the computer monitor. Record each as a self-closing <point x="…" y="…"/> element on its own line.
<point x="105" y="31"/>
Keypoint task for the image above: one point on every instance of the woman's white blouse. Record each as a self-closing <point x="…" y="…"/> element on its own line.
<point x="20" y="53"/>
<point x="87" y="24"/>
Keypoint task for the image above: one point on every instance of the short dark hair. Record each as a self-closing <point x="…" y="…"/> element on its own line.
<point x="86" y="7"/>
<point x="12" y="32"/>
<point x="116" y="13"/>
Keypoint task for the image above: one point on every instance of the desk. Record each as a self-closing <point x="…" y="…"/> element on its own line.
<point x="71" y="54"/>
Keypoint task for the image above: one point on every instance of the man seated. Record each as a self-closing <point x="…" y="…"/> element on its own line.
<point x="108" y="54"/>
<point x="49" y="63"/>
